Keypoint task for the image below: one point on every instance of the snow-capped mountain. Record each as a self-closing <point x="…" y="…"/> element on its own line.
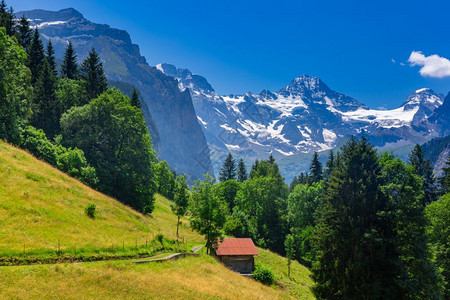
<point x="304" y="116"/>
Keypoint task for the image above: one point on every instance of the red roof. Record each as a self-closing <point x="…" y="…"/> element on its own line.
<point x="243" y="246"/>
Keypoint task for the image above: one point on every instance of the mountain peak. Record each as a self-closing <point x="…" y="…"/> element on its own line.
<point x="304" y="83"/>
<point x="38" y="15"/>
<point x="423" y="97"/>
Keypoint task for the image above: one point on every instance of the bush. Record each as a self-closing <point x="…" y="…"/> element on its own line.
<point x="263" y="275"/>
<point x="71" y="161"/>
<point x="90" y="210"/>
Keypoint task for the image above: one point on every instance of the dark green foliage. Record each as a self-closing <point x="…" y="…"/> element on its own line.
<point x="181" y="199"/>
<point x="70" y="93"/>
<point x="263" y="199"/>
<point x="227" y="191"/>
<point x="165" y="180"/>
<point x="403" y="187"/>
<point x="14" y="88"/>
<point x="135" y="98"/>
<point x="69" y="67"/>
<point x="71" y="161"/>
<point x="50" y="55"/>
<point x="329" y="166"/>
<point x="439" y="215"/>
<point x="24" y="33"/>
<point x="238" y="225"/>
<point x="228" y="171"/>
<point x="315" y="169"/>
<point x="36" y="56"/>
<point x="302" y="211"/>
<point x="46" y="109"/>
<point x="356" y="253"/>
<point x="423" y="168"/>
<point x="208" y="212"/>
<point x="90" y="210"/>
<point x="113" y="135"/>
<point x="289" y="247"/>
<point x="263" y="275"/>
<point x="93" y="75"/>
<point x="444" y="181"/>
<point x="7" y="18"/>
<point x="242" y="171"/>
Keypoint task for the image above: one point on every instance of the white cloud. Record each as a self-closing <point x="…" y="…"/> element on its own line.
<point x="393" y="60"/>
<point x="431" y="66"/>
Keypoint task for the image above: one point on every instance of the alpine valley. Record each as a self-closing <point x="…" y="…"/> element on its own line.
<point x="193" y="127"/>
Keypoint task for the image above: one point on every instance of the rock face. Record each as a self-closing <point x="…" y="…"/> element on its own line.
<point x="169" y="112"/>
<point x="304" y="116"/>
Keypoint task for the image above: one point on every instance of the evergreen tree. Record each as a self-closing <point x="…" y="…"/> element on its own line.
<point x="315" y="169"/>
<point x="135" y="99"/>
<point x="329" y="166"/>
<point x="51" y="58"/>
<point x="46" y="109"/>
<point x="355" y="238"/>
<point x="254" y="168"/>
<point x="294" y="182"/>
<point x="69" y="67"/>
<point x="93" y="75"/>
<point x="181" y="200"/>
<point x="289" y="247"/>
<point x="423" y="168"/>
<point x="419" y="278"/>
<point x="24" y="33"/>
<point x="36" y="56"/>
<point x="7" y="18"/>
<point x="228" y="171"/>
<point x="242" y="171"/>
<point x="444" y="181"/>
<point x="271" y="159"/>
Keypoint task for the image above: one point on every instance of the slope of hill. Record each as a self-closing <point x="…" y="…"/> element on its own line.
<point x="41" y="205"/>
<point x="190" y="278"/>
<point x="178" y="137"/>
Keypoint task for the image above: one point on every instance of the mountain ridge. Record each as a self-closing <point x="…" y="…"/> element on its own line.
<point x="178" y="137"/>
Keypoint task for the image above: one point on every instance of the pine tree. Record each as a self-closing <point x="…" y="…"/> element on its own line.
<point x="24" y="33"/>
<point x="294" y="182"/>
<point x="135" y="101"/>
<point x="46" y="110"/>
<point x="93" y="75"/>
<point x="254" y="169"/>
<point x="271" y="159"/>
<point x="444" y="180"/>
<point x="355" y="239"/>
<point x="329" y="166"/>
<point x="51" y="58"/>
<point x="7" y="18"/>
<point x="315" y="169"/>
<point x="228" y="171"/>
<point x="36" y="56"/>
<point x="242" y="171"/>
<point x="423" y="168"/>
<point x="69" y="67"/>
<point x="181" y="199"/>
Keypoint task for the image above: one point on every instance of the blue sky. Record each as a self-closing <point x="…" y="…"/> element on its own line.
<point x="242" y="46"/>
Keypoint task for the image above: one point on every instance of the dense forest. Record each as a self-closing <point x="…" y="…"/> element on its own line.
<point x="369" y="225"/>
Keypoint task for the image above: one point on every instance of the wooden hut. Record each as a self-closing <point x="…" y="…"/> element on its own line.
<point x="238" y="254"/>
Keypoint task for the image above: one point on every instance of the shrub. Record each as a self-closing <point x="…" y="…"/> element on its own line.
<point x="263" y="275"/>
<point x="160" y="238"/>
<point x="90" y="210"/>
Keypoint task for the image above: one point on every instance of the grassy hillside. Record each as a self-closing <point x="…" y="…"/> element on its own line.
<point x="298" y="285"/>
<point x="39" y="205"/>
<point x="190" y="278"/>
